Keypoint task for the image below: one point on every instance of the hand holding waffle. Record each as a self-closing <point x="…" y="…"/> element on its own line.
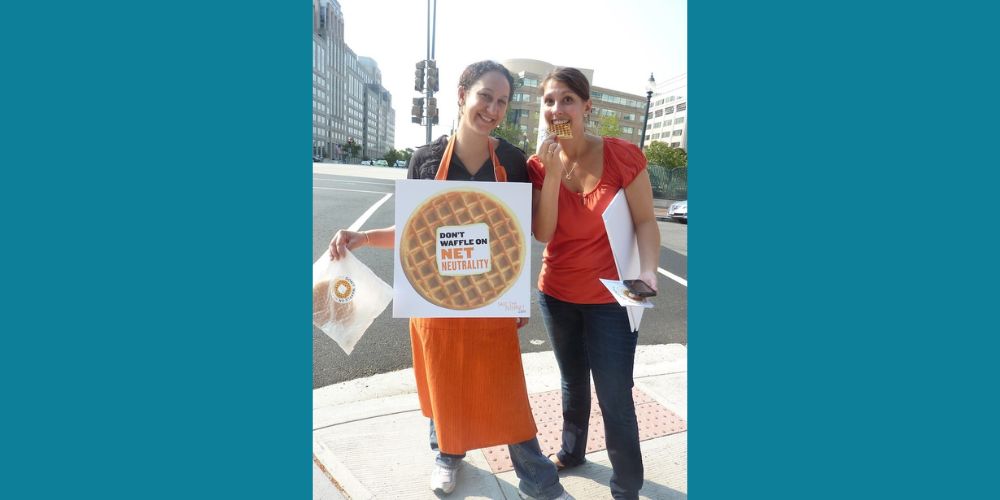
<point x="550" y="153"/>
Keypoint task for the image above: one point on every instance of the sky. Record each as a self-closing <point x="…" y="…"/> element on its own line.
<point x="623" y="42"/>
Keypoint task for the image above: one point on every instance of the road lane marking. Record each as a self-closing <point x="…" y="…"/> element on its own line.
<point x="672" y="276"/>
<point x="364" y="217"/>
<point x="351" y="190"/>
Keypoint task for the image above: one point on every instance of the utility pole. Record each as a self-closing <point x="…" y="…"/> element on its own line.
<point x="425" y="80"/>
<point x="432" y="86"/>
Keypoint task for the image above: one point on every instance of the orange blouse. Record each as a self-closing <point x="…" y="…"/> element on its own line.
<point x="579" y="253"/>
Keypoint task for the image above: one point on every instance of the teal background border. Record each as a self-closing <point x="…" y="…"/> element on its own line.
<point x="156" y="207"/>
<point x="839" y="250"/>
<point x="158" y="213"/>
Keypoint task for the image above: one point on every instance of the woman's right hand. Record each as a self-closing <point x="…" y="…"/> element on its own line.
<point x="345" y="240"/>
<point x="549" y="154"/>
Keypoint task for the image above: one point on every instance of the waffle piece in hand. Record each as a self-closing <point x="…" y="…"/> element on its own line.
<point x="562" y="130"/>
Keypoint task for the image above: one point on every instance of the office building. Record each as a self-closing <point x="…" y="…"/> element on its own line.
<point x="349" y="101"/>
<point x="525" y="103"/>
<point x="668" y="113"/>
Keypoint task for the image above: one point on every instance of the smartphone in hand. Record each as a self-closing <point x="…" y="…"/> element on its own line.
<point x="639" y="288"/>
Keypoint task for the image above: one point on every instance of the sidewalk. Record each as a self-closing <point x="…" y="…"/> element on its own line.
<point x="371" y="439"/>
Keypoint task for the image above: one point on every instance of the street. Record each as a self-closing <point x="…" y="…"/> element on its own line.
<point x="344" y="193"/>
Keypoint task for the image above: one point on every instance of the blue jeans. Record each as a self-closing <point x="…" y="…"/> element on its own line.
<point x="539" y="477"/>
<point x="596" y="338"/>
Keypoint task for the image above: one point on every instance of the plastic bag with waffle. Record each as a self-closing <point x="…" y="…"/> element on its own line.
<point x="347" y="297"/>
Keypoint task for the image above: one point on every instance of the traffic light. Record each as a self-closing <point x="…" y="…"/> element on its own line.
<point x="418" y="77"/>
<point x="432" y="109"/>
<point x="432" y="76"/>
<point x="417" y="111"/>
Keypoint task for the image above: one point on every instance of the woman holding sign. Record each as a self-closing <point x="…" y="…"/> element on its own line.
<point x="469" y="375"/>
<point x="575" y="176"/>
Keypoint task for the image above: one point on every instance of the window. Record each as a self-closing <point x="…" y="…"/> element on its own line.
<point x="675" y="144"/>
<point x="678" y="132"/>
<point x="530" y="82"/>
<point x="668" y="110"/>
<point x="679" y="119"/>
<point x="628" y="130"/>
<point x="682" y="106"/>
<point x="658" y="113"/>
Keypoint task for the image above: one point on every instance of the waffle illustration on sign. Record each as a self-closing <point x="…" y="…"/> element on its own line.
<point x="562" y="130"/>
<point x="461" y="207"/>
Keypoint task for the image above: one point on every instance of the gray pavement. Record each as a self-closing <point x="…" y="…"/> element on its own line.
<point x="371" y="439"/>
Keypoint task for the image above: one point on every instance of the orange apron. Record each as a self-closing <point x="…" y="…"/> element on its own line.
<point x="468" y="370"/>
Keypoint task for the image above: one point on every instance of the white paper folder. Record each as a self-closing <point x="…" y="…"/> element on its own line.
<point x="624" y="247"/>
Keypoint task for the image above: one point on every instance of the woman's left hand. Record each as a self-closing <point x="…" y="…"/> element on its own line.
<point x="650" y="278"/>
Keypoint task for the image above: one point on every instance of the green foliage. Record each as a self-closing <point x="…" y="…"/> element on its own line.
<point x="406" y="154"/>
<point x="509" y="131"/>
<point x="391" y="156"/>
<point x="659" y="153"/>
<point x="609" y="127"/>
<point x="352" y="148"/>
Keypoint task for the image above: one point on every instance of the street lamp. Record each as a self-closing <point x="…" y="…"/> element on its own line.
<point x="650" y="86"/>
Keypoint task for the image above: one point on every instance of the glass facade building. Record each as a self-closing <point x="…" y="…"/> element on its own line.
<point x="349" y="102"/>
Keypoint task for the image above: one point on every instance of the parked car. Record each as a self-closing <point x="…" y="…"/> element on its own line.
<point x="366" y="162"/>
<point x="317" y="159"/>
<point x="401" y="163"/>
<point x="381" y="163"/>
<point x="679" y="211"/>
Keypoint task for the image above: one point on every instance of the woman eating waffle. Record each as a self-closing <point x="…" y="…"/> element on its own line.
<point x="575" y="175"/>
<point x="469" y="375"/>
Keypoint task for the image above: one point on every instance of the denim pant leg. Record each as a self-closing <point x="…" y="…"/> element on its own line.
<point x="444" y="459"/>
<point x="564" y="324"/>
<point x="611" y="348"/>
<point x="539" y="477"/>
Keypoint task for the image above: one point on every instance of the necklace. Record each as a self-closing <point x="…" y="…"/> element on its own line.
<point x="570" y="173"/>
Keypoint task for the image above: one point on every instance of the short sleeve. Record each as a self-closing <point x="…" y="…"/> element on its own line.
<point x="536" y="172"/>
<point x="627" y="157"/>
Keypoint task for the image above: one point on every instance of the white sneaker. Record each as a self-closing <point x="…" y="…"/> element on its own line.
<point x="443" y="479"/>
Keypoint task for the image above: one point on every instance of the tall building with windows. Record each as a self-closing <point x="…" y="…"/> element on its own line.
<point x="349" y="101"/>
<point x="668" y="113"/>
<point x="525" y="103"/>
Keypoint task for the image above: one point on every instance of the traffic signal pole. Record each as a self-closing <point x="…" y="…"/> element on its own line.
<point x="430" y="60"/>
<point x="426" y="71"/>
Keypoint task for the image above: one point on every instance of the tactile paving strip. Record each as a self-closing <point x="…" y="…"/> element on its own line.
<point x="654" y="421"/>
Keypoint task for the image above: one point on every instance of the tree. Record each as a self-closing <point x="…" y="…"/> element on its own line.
<point x="509" y="131"/>
<point x="406" y="154"/>
<point x="609" y="127"/>
<point x="391" y="156"/>
<point x="352" y="148"/>
<point x="659" y="153"/>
